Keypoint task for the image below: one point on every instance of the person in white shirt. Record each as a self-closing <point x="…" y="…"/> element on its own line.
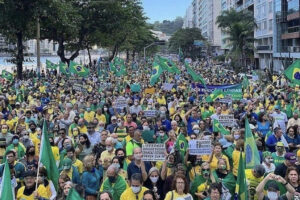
<point x="280" y="118"/>
<point x="268" y="162"/>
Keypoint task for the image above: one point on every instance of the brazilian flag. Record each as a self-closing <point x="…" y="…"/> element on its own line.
<point x="112" y="68"/>
<point x="215" y="95"/>
<point x="168" y="65"/>
<point x="78" y="69"/>
<point x="51" y="65"/>
<point x="251" y="151"/>
<point x="64" y="69"/>
<point x="293" y="72"/>
<point x="181" y="144"/>
<point x="217" y="127"/>
<point x="245" y="82"/>
<point x="241" y="189"/>
<point x="7" y="75"/>
<point x="73" y="195"/>
<point x="180" y="55"/>
<point x="20" y="96"/>
<point x="195" y="77"/>
<point x="156" y="72"/>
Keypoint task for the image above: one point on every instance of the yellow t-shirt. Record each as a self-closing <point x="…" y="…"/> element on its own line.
<point x="176" y="195"/>
<point x="106" y="154"/>
<point x="214" y="163"/>
<point x="79" y="165"/>
<point x="101" y="118"/>
<point x="236" y="159"/>
<point x="129" y="195"/>
<point x="253" y="182"/>
<point x="55" y="151"/>
<point x="82" y="129"/>
<point x="42" y="192"/>
<point x="194" y="172"/>
<point x="161" y="101"/>
<point x="89" y="116"/>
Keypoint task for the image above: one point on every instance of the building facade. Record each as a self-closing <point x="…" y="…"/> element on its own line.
<point x="188" y="18"/>
<point x="286" y="32"/>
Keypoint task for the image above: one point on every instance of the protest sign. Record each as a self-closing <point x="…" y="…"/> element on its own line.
<point x="150" y="113"/>
<point x="200" y="147"/>
<point x="167" y="86"/>
<point x="153" y="152"/>
<point x="226" y="120"/>
<point x="235" y="90"/>
<point x="120" y="103"/>
<point x="79" y="88"/>
<point x="150" y="90"/>
<point x="226" y="99"/>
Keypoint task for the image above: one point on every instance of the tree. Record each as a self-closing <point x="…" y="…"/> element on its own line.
<point x="184" y="39"/>
<point x="169" y="27"/>
<point x="18" y="23"/>
<point x="239" y="27"/>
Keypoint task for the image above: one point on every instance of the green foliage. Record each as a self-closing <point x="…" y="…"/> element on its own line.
<point x="168" y="27"/>
<point x="239" y="27"/>
<point x="184" y="39"/>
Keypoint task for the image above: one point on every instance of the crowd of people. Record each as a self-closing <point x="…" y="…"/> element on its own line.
<point x="97" y="145"/>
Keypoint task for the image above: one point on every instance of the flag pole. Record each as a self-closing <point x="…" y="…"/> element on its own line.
<point x="38" y="169"/>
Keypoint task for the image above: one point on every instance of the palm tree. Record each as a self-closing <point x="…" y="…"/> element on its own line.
<point x="239" y="27"/>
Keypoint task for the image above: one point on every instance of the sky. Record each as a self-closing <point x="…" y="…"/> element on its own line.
<point x="159" y="10"/>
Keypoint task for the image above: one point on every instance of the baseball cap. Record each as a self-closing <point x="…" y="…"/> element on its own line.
<point x="67" y="163"/>
<point x="277" y="107"/>
<point x="113" y="118"/>
<point x="291" y="157"/>
<point x="272" y="186"/>
<point x="195" y="126"/>
<point x="30" y="173"/>
<point x="280" y="144"/>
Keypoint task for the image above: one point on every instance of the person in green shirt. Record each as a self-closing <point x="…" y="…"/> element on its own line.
<point x="278" y="156"/>
<point x="136" y="141"/>
<point x="162" y="137"/>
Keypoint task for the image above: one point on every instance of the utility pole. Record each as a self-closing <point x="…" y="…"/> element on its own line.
<point x="38" y="48"/>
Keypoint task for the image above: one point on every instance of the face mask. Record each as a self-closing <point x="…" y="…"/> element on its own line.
<point x="161" y="134"/>
<point x="197" y="131"/>
<point x="80" y="124"/>
<point x="223" y="167"/>
<point x="67" y="146"/>
<point x="101" y="128"/>
<point x="135" y="190"/>
<point x="262" y="110"/>
<point x="32" y="129"/>
<point x="83" y="142"/>
<point x="236" y="137"/>
<point x="119" y="124"/>
<point x="122" y="158"/>
<point x="136" y="103"/>
<point x="25" y="137"/>
<point x="75" y="133"/>
<point x="52" y="143"/>
<point x="4" y="131"/>
<point x="115" y="140"/>
<point x="76" y="121"/>
<point x="108" y="148"/>
<point x="272" y="195"/>
<point x="31" y="153"/>
<point x="105" y="109"/>
<point x="38" y="136"/>
<point x="122" y="114"/>
<point x="146" y="128"/>
<point x="116" y="165"/>
<point x="138" y="157"/>
<point x="15" y="141"/>
<point x="111" y="179"/>
<point x="154" y="179"/>
<point x="206" y="174"/>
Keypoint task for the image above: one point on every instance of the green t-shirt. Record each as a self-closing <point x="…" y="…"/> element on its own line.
<point x="277" y="159"/>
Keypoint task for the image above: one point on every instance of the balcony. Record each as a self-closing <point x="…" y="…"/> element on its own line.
<point x="292" y="16"/>
<point x="264" y="47"/>
<point x="292" y="33"/>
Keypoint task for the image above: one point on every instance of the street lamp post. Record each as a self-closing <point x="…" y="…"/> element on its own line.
<point x="153" y="43"/>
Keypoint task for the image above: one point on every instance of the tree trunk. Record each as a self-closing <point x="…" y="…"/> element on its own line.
<point x="20" y="56"/>
<point x="133" y="55"/>
<point x="113" y="53"/>
<point x="90" y="58"/>
<point x="61" y="50"/>
<point x="127" y="55"/>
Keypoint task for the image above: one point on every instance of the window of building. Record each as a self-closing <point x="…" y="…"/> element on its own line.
<point x="270" y="7"/>
<point x="270" y="24"/>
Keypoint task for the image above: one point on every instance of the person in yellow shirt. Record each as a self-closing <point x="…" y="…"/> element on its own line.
<point x="100" y="116"/>
<point x="75" y="162"/>
<point x="236" y="156"/>
<point x="55" y="151"/>
<point x="181" y="189"/>
<point x="89" y="115"/>
<point x="45" y="184"/>
<point x="27" y="192"/>
<point x="161" y="100"/>
<point x="136" y="190"/>
<point x="216" y="155"/>
<point x="254" y="177"/>
<point x="81" y="126"/>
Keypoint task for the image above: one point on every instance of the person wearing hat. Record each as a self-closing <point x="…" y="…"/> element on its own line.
<point x="111" y="127"/>
<point x="17" y="146"/>
<point x="268" y="162"/>
<point x="273" y="192"/>
<point x="254" y="177"/>
<point x="278" y="155"/>
<point x="280" y="118"/>
<point x="290" y="160"/>
<point x="28" y="191"/>
<point x="70" y="170"/>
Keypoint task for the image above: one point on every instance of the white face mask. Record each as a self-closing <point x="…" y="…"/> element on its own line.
<point x="146" y="128"/>
<point x="137" y="157"/>
<point x="154" y="179"/>
<point x="196" y="131"/>
<point x="272" y="195"/>
<point x="135" y="190"/>
<point x="119" y="124"/>
<point x="236" y="137"/>
<point x="108" y="148"/>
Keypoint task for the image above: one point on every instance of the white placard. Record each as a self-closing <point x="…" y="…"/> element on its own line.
<point x="153" y="152"/>
<point x="120" y="103"/>
<point x="227" y="120"/>
<point x="150" y="113"/>
<point x="200" y="147"/>
<point x="167" y="86"/>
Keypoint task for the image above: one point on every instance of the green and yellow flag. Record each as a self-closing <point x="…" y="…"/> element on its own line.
<point x="79" y="69"/>
<point x="73" y="195"/>
<point x="245" y="82"/>
<point x="293" y="72"/>
<point x="195" y="77"/>
<point x="7" y="75"/>
<point x="47" y="158"/>
<point x="251" y="151"/>
<point x="51" y="65"/>
<point x="6" y="191"/>
<point x="181" y="144"/>
<point x="217" y="127"/>
<point x="241" y="189"/>
<point x="20" y="96"/>
<point x="216" y="94"/>
<point x="156" y="72"/>
<point x="64" y="69"/>
<point x="167" y="65"/>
